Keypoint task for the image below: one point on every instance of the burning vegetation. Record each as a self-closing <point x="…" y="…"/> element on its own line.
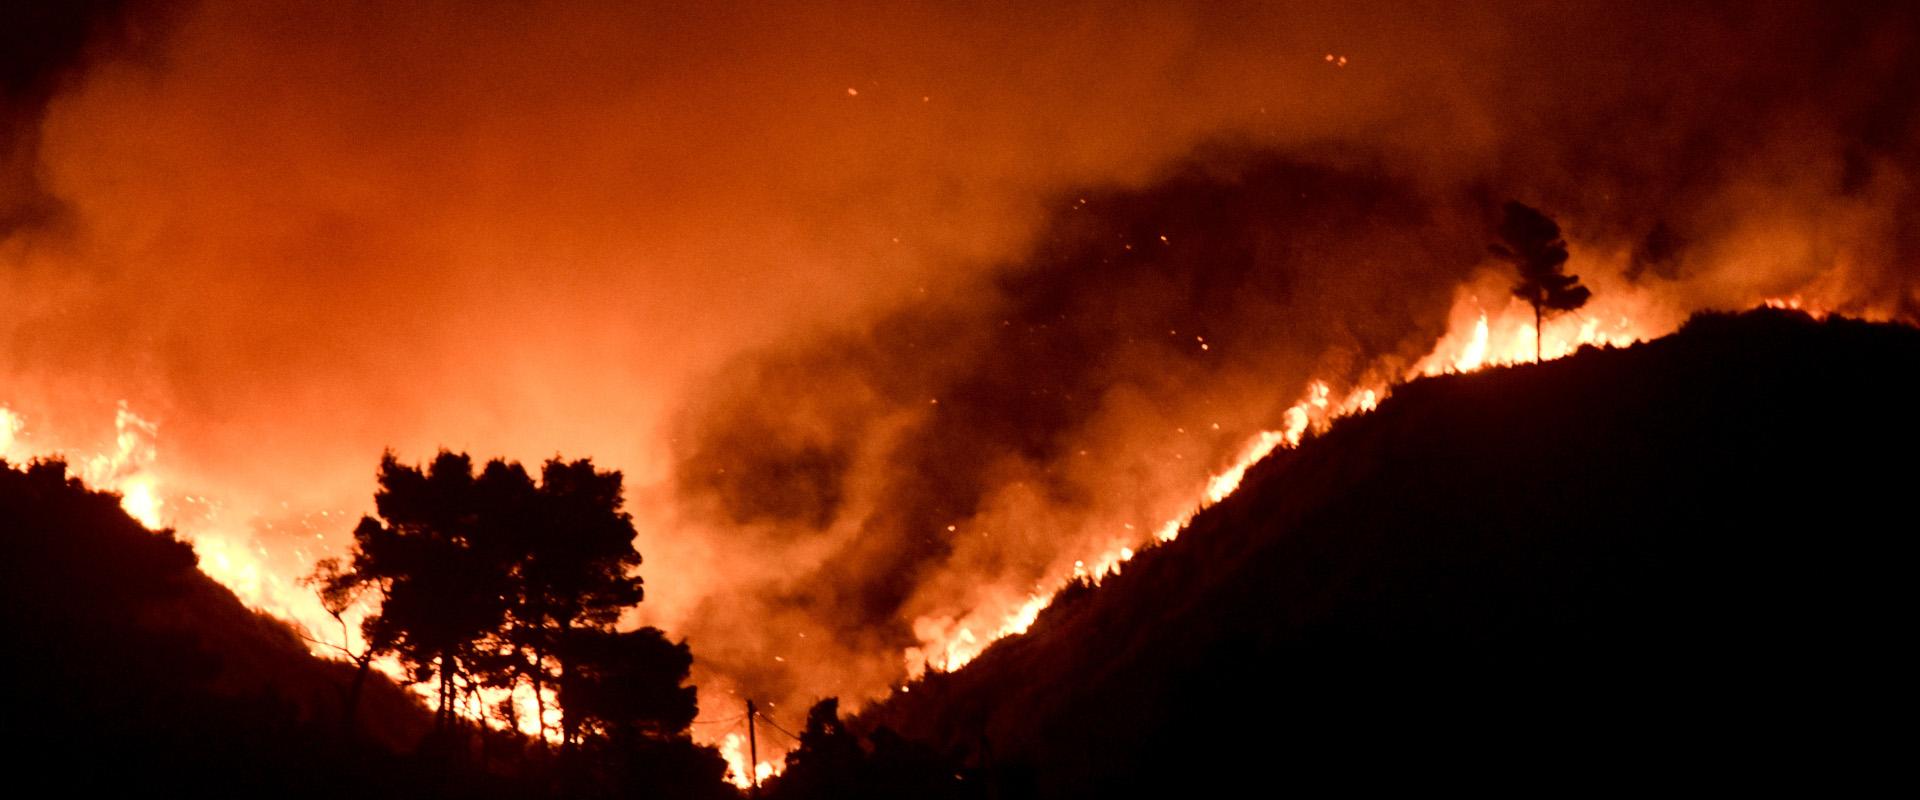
<point x="1630" y="562"/>
<point x="869" y="401"/>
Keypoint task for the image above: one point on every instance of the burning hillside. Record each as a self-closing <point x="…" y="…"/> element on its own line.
<point x="895" y="320"/>
<point x="1628" y="561"/>
<point x="133" y="667"/>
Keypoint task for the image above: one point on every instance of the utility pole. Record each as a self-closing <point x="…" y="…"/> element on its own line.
<point x="753" y="751"/>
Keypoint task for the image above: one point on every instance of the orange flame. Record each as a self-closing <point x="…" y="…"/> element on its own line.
<point x="733" y="749"/>
<point x="229" y="550"/>
<point x="232" y="552"/>
<point x="1478" y="336"/>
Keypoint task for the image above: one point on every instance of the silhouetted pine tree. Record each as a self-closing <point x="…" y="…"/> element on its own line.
<point x="1531" y="242"/>
<point x="438" y="594"/>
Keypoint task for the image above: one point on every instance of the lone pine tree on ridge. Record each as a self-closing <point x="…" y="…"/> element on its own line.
<point x="1531" y="241"/>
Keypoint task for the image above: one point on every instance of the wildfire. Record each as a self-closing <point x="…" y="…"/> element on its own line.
<point x="1478" y="336"/>
<point x="948" y="644"/>
<point x="228" y="545"/>
<point x="733" y="749"/>
<point x="10" y="427"/>
<point x="126" y="469"/>
<point x="231" y="546"/>
<point x="232" y="550"/>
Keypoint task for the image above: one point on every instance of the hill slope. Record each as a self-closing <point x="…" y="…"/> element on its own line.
<point x="1689" y="553"/>
<point x="131" y="667"/>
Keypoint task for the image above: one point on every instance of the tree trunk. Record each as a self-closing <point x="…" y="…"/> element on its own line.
<point x="566" y="716"/>
<point x="539" y="696"/>
<point x="564" y="626"/>
<point x="513" y="708"/>
<point x="354" y="689"/>
<point x="446" y="694"/>
<point x="1538" y="333"/>
<point x="479" y="728"/>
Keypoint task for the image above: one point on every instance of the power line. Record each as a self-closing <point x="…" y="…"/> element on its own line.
<point x="776" y="725"/>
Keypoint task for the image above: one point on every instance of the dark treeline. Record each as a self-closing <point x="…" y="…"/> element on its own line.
<point x="834" y="762"/>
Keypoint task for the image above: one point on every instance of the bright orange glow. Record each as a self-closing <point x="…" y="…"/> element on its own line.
<point x="1477" y="337"/>
<point x="948" y="644"/>
<point x="1482" y="334"/>
<point x="229" y="549"/>
<point x="231" y="552"/>
<point x="733" y="749"/>
<point x="292" y="235"/>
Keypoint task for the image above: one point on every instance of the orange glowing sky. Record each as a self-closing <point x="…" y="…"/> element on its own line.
<point x="297" y="234"/>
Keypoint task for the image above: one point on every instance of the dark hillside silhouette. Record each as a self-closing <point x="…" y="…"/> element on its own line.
<point x="1682" y="560"/>
<point x="131" y="669"/>
<point x="832" y="762"/>
<point x="128" y="666"/>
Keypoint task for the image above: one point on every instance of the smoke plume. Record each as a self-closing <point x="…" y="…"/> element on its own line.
<point x="890" y="312"/>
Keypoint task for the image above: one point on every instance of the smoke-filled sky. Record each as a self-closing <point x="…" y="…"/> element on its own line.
<point x="827" y="280"/>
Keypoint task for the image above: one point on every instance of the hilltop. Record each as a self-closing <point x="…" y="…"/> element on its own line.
<point x="1684" y="558"/>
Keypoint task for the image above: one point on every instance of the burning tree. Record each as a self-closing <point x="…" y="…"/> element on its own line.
<point x="1531" y="242"/>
